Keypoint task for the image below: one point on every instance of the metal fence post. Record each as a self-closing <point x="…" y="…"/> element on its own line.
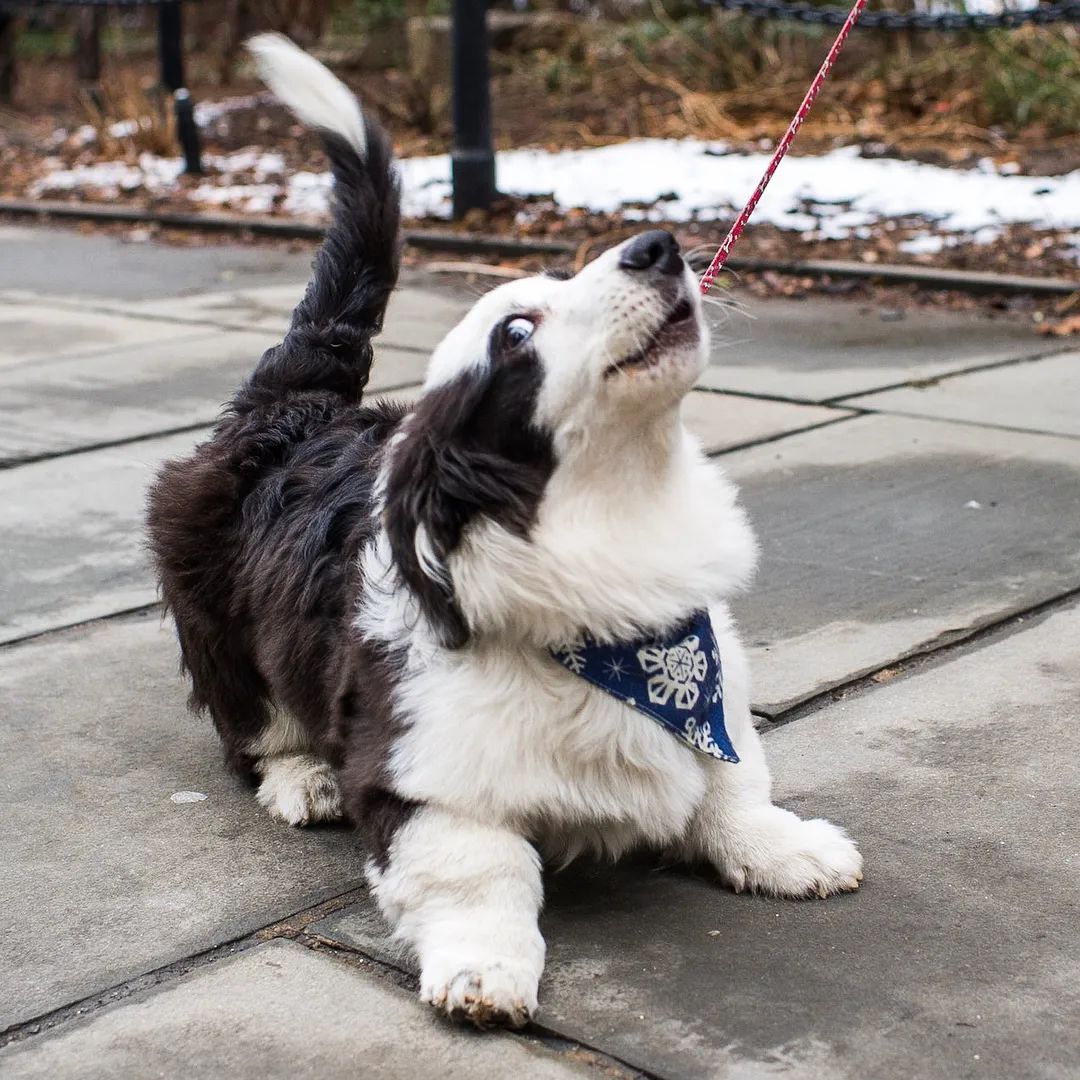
<point x="7" y="57"/>
<point x="171" y="50"/>
<point x="472" y="158"/>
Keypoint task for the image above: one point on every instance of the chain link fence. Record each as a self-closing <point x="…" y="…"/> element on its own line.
<point x="1066" y="11"/>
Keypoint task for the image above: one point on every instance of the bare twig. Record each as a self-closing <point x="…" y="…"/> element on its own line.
<point x="487" y="269"/>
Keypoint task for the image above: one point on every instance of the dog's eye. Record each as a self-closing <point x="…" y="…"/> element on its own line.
<point x="517" y="331"/>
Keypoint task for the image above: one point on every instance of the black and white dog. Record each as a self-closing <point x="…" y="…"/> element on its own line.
<point x="422" y="619"/>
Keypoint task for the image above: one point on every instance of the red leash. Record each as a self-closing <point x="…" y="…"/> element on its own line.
<point x="781" y="149"/>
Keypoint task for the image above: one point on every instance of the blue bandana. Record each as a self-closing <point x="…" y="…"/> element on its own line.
<point x="676" y="680"/>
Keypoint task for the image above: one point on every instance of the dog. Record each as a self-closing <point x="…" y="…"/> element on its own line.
<point x="420" y="619"/>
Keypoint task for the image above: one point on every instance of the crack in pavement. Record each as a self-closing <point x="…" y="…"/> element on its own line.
<point x="108" y="444"/>
<point x="986" y="425"/>
<point x="932" y="380"/>
<point x="294" y="928"/>
<point x="11" y="462"/>
<point x="137" y="609"/>
<point x="936" y="651"/>
<point x="95" y="308"/>
<point x="534" y="1032"/>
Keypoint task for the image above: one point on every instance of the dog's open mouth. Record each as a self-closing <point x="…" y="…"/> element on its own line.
<point x="676" y="329"/>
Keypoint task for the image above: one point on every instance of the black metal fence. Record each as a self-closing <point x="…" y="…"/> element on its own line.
<point x="170" y="54"/>
<point x="472" y="155"/>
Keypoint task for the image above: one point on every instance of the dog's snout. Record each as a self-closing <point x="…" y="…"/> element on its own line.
<point x="655" y="250"/>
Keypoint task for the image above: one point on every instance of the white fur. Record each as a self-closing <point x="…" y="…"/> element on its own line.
<point x="506" y="749"/>
<point x="283" y="735"/>
<point x="318" y="98"/>
<point x="466" y="896"/>
<point x="299" y="789"/>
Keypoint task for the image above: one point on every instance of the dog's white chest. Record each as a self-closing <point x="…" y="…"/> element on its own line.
<point x="513" y="736"/>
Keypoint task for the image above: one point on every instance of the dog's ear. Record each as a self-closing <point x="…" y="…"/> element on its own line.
<point x="469" y="449"/>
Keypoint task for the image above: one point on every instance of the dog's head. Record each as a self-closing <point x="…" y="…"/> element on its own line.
<point x="543" y="376"/>
<point x="619" y="342"/>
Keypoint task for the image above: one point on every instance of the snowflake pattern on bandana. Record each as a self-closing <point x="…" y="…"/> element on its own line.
<point x="676" y="680"/>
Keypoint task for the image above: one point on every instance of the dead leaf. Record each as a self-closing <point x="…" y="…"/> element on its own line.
<point x="1062" y="328"/>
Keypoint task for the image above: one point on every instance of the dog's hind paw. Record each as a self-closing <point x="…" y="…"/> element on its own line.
<point x="299" y="789"/>
<point x="494" y="994"/>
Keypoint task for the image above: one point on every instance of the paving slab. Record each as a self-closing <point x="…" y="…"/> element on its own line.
<point x="813" y="349"/>
<point x="884" y="534"/>
<point x="419" y="315"/>
<point x="279" y="1012"/>
<point x="33" y="332"/>
<point x="960" y="955"/>
<point x="724" y="421"/>
<point x="1043" y="395"/>
<point x="106" y="876"/>
<point x="871" y="547"/>
<point x="61" y="405"/>
<point x="72" y="527"/>
<point x="245" y="287"/>
<point x="818" y="349"/>
<point x="71" y="530"/>
<point x="266" y="307"/>
<point x="68" y="264"/>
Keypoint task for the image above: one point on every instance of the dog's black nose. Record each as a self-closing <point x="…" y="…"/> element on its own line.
<point x="652" y="250"/>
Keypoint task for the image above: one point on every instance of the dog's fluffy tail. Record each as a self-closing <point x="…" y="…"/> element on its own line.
<point x="328" y="346"/>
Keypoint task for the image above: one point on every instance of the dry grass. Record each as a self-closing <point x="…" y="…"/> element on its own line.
<point x="704" y="74"/>
<point x="126" y="98"/>
<point x="723" y="76"/>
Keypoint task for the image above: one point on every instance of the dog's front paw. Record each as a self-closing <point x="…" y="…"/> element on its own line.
<point x="498" y="993"/>
<point x="783" y="855"/>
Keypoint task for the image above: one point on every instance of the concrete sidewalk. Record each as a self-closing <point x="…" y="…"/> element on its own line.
<point x="915" y="631"/>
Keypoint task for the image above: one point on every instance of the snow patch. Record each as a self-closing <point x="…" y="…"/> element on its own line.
<point x="829" y="196"/>
<point x="158" y="175"/>
<point x="932" y="243"/>
<point x="206" y="112"/>
<point x="833" y="194"/>
<point x="247" y="198"/>
<point x="151" y="173"/>
<point x="974" y="7"/>
<point x="923" y="244"/>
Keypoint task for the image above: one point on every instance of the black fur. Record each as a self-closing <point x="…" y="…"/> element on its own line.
<point x="328" y="346"/>
<point x="256" y="536"/>
<point x="252" y="534"/>
<point x="472" y="448"/>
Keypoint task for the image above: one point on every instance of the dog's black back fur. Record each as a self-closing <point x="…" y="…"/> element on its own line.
<point x="257" y="535"/>
<point x="328" y="346"/>
<point x="252" y="534"/>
